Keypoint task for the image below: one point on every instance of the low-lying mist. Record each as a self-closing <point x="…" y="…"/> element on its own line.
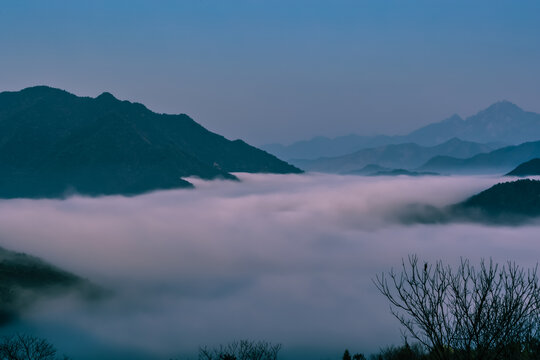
<point x="284" y="258"/>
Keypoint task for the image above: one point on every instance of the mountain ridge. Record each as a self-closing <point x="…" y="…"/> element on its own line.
<point x="407" y="156"/>
<point x="52" y="141"/>
<point x="502" y="123"/>
<point x="25" y="280"/>
<point x="497" y="161"/>
<point x="529" y="168"/>
<point x="506" y="202"/>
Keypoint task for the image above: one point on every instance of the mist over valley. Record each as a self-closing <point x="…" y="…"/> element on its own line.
<point x="286" y="258"/>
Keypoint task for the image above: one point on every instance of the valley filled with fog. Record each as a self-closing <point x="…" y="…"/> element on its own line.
<point x="284" y="258"/>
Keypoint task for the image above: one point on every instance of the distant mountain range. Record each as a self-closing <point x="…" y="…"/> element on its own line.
<point x="53" y="142"/>
<point x="503" y="123"/>
<point x="497" y="161"/>
<point x="402" y="156"/>
<point x="376" y="170"/>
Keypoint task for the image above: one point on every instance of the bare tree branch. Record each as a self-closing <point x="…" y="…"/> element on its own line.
<point x="458" y="313"/>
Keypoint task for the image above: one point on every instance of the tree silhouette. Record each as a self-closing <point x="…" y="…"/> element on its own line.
<point x="465" y="313"/>
<point x="26" y="347"/>
<point x="241" y="350"/>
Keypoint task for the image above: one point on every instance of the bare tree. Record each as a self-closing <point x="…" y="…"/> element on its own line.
<point x="465" y="313"/>
<point x="241" y="350"/>
<point x="26" y="347"/>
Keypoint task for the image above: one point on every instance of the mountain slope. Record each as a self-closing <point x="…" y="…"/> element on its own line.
<point x="498" y="161"/>
<point x="25" y="279"/>
<point x="502" y="123"/>
<point x="504" y="202"/>
<point x="52" y="141"/>
<point x="408" y="156"/>
<point x="531" y="167"/>
<point x="507" y="203"/>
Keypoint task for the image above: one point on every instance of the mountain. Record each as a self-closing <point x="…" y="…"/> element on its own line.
<point x="529" y="168"/>
<point x="408" y="156"/>
<point x="507" y="203"/>
<point x="502" y="123"/>
<point x="508" y="200"/>
<point x="438" y="132"/>
<point x="53" y="142"/>
<point x="25" y="279"/>
<point x="321" y="146"/>
<point x="497" y="161"/>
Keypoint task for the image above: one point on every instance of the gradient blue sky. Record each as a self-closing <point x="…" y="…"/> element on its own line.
<point x="281" y="70"/>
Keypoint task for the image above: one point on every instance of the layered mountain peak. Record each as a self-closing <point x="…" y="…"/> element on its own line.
<point x="502" y="123"/>
<point x="502" y="107"/>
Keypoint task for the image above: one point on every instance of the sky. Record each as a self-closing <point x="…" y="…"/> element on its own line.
<point x="281" y="70"/>
<point x="288" y="259"/>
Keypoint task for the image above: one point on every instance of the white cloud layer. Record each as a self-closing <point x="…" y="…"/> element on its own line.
<point x="285" y="258"/>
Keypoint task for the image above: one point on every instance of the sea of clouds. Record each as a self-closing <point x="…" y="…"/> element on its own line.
<point x="285" y="258"/>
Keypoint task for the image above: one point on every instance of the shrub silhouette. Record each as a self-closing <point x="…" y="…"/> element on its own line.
<point x="405" y="352"/>
<point x="241" y="350"/>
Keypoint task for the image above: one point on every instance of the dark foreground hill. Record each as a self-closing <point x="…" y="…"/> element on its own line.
<point x="25" y="279"/>
<point x="529" y="168"/>
<point x="53" y="142"/>
<point x="507" y="203"/>
<point x="514" y="199"/>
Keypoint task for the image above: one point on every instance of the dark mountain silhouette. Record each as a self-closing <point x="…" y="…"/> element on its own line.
<point x="502" y="123"/>
<point x="506" y="202"/>
<point x="25" y="279"/>
<point x="407" y="156"/>
<point x="52" y="141"/>
<point x="529" y="168"/>
<point x="497" y="161"/>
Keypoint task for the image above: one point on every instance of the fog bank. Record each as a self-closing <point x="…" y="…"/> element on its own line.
<point x="285" y="258"/>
